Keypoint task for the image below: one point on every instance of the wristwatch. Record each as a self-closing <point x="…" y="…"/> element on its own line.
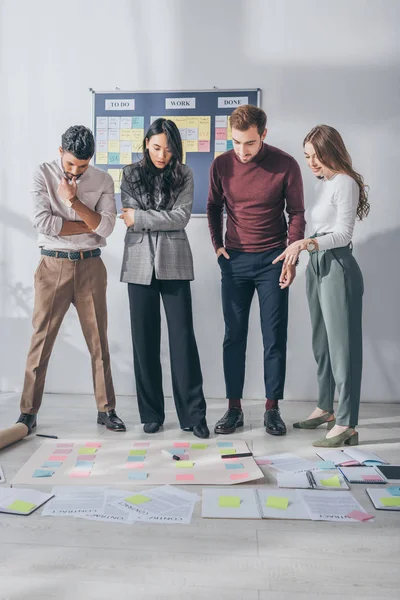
<point x="311" y="246"/>
<point x="70" y="204"/>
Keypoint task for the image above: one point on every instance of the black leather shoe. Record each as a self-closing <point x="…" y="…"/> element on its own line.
<point x="28" y="420"/>
<point x="273" y="422"/>
<point x="232" y="419"/>
<point x="201" y="430"/>
<point x="151" y="427"/>
<point x="111" y="420"/>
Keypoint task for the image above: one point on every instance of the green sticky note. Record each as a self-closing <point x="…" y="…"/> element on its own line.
<point x="87" y="450"/>
<point x="331" y="482"/>
<point x="229" y="501"/>
<point x="137" y="452"/>
<point x="137" y="499"/>
<point x="199" y="446"/>
<point x="277" y="502"/>
<point x="227" y="451"/>
<point x="21" y="506"/>
<point x="184" y="464"/>
<point x="390" y="501"/>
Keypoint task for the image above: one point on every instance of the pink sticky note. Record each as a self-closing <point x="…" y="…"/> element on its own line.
<point x="62" y="451"/>
<point x="65" y="445"/>
<point x="93" y="445"/>
<point x="79" y="473"/>
<point x="263" y="461"/>
<point x="372" y="478"/>
<point x="185" y="478"/>
<point x="134" y="465"/>
<point x="359" y="516"/>
<point x="82" y="457"/>
<point x="57" y="457"/>
<point x="204" y="145"/>
<point x="238" y="476"/>
<point x="220" y="133"/>
<point x="184" y="456"/>
<point x="181" y="444"/>
<point x="141" y="444"/>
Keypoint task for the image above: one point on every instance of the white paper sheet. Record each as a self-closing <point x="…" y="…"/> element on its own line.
<point x="73" y="501"/>
<point x="165" y="506"/>
<point x="288" y="462"/>
<point x="110" y="512"/>
<point x="300" y="481"/>
<point x="295" y="510"/>
<point x="331" y="506"/>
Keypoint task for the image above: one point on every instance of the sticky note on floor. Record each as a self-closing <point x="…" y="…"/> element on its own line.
<point x="85" y="450"/>
<point x="185" y="477"/>
<point x="93" y="445"/>
<point x="137" y="475"/>
<point x="69" y="445"/>
<point x="136" y="458"/>
<point x="137" y="499"/>
<point x="184" y="464"/>
<point x="393" y="490"/>
<point x="224" y="444"/>
<point x="181" y="444"/>
<point x="229" y="501"/>
<point x="199" y="446"/>
<point x="137" y="452"/>
<point x="326" y="465"/>
<point x="227" y="451"/>
<point x="177" y="451"/>
<point x="235" y="465"/>
<point x="86" y="457"/>
<point x="62" y="451"/>
<point x="79" y="473"/>
<point x="277" y="502"/>
<point x="42" y="473"/>
<point x="21" y="506"/>
<point x="393" y="501"/>
<point x="52" y="463"/>
<point x="134" y="465"/>
<point x="331" y="482"/>
<point x="238" y="476"/>
<point x="358" y="515"/>
<point x="57" y="457"/>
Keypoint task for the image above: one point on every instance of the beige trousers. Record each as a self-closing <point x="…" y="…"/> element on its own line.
<point x="58" y="283"/>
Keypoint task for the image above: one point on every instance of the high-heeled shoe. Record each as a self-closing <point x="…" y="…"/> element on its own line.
<point x="316" y="422"/>
<point x="349" y="437"/>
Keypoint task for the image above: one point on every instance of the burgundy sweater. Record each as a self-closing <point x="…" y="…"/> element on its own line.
<point x="255" y="196"/>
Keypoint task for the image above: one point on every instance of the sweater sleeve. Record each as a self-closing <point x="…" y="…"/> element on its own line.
<point x="346" y="200"/>
<point x="294" y="196"/>
<point x="215" y="208"/>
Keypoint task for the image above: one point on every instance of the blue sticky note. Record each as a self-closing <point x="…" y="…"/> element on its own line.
<point x="137" y="475"/>
<point x="113" y="158"/>
<point x="326" y="464"/>
<point x="234" y="466"/>
<point x="52" y="463"/>
<point x="177" y="451"/>
<point x="135" y="458"/>
<point x="224" y="444"/>
<point x="229" y="145"/>
<point x="137" y="122"/>
<point x="85" y="466"/>
<point x="42" y="473"/>
<point x="393" y="490"/>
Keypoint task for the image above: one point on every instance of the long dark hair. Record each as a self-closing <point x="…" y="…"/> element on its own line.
<point x="144" y="186"/>
<point x="331" y="152"/>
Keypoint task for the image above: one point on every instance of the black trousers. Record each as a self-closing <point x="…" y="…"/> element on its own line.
<point x="242" y="274"/>
<point x="187" y="380"/>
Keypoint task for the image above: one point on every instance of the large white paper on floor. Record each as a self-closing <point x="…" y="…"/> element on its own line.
<point x="70" y="501"/>
<point x="165" y="504"/>
<point x="126" y="463"/>
<point x="287" y="462"/>
<point x="300" y="481"/>
<point x="331" y="506"/>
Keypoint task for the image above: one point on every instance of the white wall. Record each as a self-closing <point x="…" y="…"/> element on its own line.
<point x="316" y="61"/>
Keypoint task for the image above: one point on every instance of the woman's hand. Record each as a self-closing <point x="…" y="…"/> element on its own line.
<point x="128" y="215"/>
<point x="291" y="254"/>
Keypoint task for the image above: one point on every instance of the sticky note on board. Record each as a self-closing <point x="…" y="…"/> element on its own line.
<point x="229" y="501"/>
<point x="277" y="502"/>
<point x="42" y="473"/>
<point x="199" y="446"/>
<point x="333" y="481"/>
<point x="85" y="450"/>
<point x="21" y="506"/>
<point x="137" y="499"/>
<point x="139" y="452"/>
<point x="227" y="451"/>
<point x="137" y="475"/>
<point x="393" y="501"/>
<point x="184" y="464"/>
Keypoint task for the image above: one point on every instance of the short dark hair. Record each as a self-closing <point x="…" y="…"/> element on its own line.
<point x="246" y="116"/>
<point x="79" y="141"/>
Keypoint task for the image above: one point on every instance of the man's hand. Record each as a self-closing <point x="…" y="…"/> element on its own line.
<point x="288" y="274"/>
<point x="128" y="215"/>
<point x="223" y="252"/>
<point x="67" y="189"/>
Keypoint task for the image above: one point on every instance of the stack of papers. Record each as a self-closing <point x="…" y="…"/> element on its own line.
<point x="286" y="463"/>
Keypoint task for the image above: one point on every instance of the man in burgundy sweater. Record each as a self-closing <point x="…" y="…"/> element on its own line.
<point x="255" y="183"/>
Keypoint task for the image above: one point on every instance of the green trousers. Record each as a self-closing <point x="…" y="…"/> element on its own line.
<point x="334" y="289"/>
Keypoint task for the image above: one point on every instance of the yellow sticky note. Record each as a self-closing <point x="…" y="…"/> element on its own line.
<point x="101" y="158"/>
<point x="125" y="135"/>
<point x="395" y="501"/>
<point x="199" y="446"/>
<point x="180" y="122"/>
<point x="137" y="135"/>
<point x="277" y="502"/>
<point x="137" y="499"/>
<point x="184" y="157"/>
<point x="204" y="128"/>
<point x="229" y="501"/>
<point x="113" y="146"/>
<point x="21" y="506"/>
<point x="137" y="452"/>
<point x="184" y="464"/>
<point x="192" y="122"/>
<point x="115" y="174"/>
<point x="125" y="158"/>
<point x="331" y="482"/>
<point x="227" y="451"/>
<point x="87" y="450"/>
<point x="192" y="146"/>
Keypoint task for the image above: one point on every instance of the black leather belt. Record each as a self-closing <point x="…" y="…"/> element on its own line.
<point x="71" y="255"/>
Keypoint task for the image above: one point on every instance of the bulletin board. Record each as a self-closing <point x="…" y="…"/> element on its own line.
<point x="121" y="119"/>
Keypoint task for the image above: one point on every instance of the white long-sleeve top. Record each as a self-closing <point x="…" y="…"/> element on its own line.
<point x="335" y="211"/>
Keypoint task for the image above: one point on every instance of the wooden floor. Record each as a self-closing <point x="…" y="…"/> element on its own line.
<point x="67" y="558"/>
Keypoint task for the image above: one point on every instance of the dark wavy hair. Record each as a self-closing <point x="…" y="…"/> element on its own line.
<point x="79" y="141"/>
<point x="331" y="152"/>
<point x="143" y="188"/>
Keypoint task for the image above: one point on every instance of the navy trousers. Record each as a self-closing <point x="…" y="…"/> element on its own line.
<point x="242" y="274"/>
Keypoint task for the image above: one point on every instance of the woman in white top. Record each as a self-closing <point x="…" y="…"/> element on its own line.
<point x="334" y="285"/>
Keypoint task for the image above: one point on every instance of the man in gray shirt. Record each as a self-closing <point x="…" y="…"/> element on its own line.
<point x="74" y="211"/>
